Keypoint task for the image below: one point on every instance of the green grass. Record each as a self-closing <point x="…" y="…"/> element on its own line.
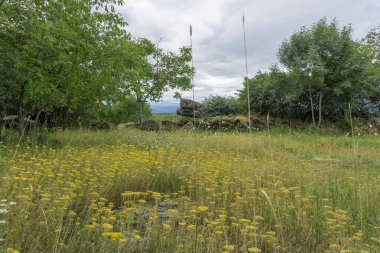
<point x="165" y="116"/>
<point x="235" y="192"/>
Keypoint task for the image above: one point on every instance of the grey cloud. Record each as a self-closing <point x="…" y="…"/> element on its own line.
<point x="218" y="34"/>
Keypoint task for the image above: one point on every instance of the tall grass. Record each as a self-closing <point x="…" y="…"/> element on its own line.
<point x="132" y="191"/>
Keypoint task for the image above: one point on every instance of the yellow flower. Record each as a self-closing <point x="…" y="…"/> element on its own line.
<point x="202" y="208"/>
<point x="229" y="247"/>
<point x="166" y="226"/>
<point x="191" y="227"/>
<point x="142" y="202"/>
<point x="90" y="226"/>
<point x="113" y="235"/>
<point x="254" y="250"/>
<point x="244" y="221"/>
<point x="172" y="211"/>
<point x="10" y="250"/>
<point x="107" y="226"/>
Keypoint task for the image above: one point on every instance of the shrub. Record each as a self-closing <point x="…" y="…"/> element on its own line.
<point x="219" y="106"/>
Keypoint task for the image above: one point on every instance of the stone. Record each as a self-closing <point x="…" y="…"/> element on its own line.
<point x="225" y="124"/>
<point x="189" y="112"/>
<point x="188" y="127"/>
<point x="151" y="125"/>
<point x="241" y="126"/>
<point x="184" y="120"/>
<point x="189" y="104"/>
<point x="130" y="125"/>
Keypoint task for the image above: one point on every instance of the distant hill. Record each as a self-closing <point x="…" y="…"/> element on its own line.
<point x="158" y="108"/>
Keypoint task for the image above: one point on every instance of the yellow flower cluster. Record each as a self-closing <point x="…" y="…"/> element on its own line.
<point x="125" y="199"/>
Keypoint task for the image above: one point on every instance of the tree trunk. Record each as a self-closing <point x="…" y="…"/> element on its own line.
<point x="312" y="107"/>
<point x="320" y="110"/>
<point x="42" y="136"/>
<point x="346" y="115"/>
<point x="1" y="126"/>
<point x="142" y="103"/>
<point x="21" y="120"/>
<point x="34" y="127"/>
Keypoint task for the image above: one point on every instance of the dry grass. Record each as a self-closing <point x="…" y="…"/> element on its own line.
<point x="132" y="191"/>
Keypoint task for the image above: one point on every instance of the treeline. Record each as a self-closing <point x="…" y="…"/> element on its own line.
<point x="323" y="73"/>
<point x="69" y="63"/>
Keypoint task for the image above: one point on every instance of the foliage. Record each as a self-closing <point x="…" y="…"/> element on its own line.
<point x="64" y="60"/>
<point x="328" y="66"/>
<point x="219" y="106"/>
<point x="59" y="54"/>
<point x="372" y="41"/>
<point x="325" y="70"/>
<point x="123" y="111"/>
<point x="156" y="72"/>
<point x="132" y="191"/>
<point x="270" y="92"/>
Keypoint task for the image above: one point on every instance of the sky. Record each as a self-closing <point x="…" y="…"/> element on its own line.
<point x="218" y="47"/>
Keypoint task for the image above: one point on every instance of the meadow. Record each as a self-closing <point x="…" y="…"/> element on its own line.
<point x="132" y="191"/>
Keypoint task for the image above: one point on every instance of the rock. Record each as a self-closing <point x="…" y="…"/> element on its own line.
<point x="375" y="123"/>
<point x="190" y="104"/>
<point x="188" y="127"/>
<point x="241" y="126"/>
<point x="190" y="108"/>
<point x="235" y="121"/>
<point x="225" y="125"/>
<point x="130" y="125"/>
<point x="184" y="112"/>
<point x="151" y="125"/>
<point x="103" y="125"/>
<point x="189" y="112"/>
<point x="258" y="124"/>
<point x="205" y="124"/>
<point x="169" y="125"/>
<point x="184" y="120"/>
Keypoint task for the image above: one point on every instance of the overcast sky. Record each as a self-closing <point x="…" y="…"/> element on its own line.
<point x="218" y="47"/>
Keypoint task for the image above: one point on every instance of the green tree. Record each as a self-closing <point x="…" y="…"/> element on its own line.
<point x="328" y="66"/>
<point x="270" y="92"/>
<point x="219" y="106"/>
<point x="372" y="39"/>
<point x="157" y="72"/>
<point x="372" y="43"/>
<point x="126" y="110"/>
<point x="58" y="54"/>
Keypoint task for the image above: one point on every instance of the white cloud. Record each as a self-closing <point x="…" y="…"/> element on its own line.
<point x="218" y="34"/>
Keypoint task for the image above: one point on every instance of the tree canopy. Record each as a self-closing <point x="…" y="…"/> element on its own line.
<point x="323" y="70"/>
<point x="157" y="72"/>
<point x="67" y="59"/>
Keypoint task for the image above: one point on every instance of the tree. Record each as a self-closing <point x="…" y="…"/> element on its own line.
<point x="372" y="39"/>
<point x="328" y="66"/>
<point x="219" y="106"/>
<point x="156" y="72"/>
<point x="126" y="110"/>
<point x="270" y="92"/>
<point x="58" y="55"/>
<point x="371" y="42"/>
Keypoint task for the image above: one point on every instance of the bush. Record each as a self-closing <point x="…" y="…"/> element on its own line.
<point x="219" y="106"/>
<point x="126" y="110"/>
